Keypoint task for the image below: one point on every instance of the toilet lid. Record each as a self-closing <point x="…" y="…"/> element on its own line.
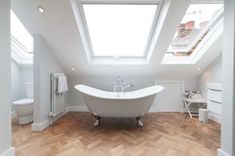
<point x="23" y="102"/>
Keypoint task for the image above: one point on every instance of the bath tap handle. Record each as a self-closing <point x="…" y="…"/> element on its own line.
<point x="120" y="80"/>
<point x="130" y="85"/>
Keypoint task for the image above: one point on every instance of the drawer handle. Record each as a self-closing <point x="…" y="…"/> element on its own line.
<point x="215" y="90"/>
<point x="215" y="101"/>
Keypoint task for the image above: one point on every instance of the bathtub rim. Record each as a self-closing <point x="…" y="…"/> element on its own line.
<point x="113" y="96"/>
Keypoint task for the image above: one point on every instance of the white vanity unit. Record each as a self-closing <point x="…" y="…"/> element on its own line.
<point x="214" y="101"/>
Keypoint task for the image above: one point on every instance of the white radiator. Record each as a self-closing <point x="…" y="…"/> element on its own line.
<point x="57" y="99"/>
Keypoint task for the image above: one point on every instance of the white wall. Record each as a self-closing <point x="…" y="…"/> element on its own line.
<point x="16" y="79"/>
<point x="228" y="89"/>
<point x="20" y="76"/>
<point x="212" y="74"/>
<point x="45" y="63"/>
<point x="27" y="76"/>
<point x="5" y="80"/>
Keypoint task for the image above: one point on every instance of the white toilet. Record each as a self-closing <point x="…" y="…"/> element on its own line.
<point x="24" y="107"/>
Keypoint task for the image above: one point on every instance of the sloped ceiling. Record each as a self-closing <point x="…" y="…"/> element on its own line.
<point x="58" y="26"/>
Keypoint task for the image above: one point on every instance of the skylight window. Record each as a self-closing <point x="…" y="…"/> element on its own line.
<point x="119" y="30"/>
<point x="20" y="37"/>
<point x="196" y="24"/>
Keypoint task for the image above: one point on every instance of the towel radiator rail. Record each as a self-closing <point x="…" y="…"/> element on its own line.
<point x="57" y="107"/>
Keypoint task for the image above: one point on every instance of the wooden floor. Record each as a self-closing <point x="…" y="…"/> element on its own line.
<point x="164" y="134"/>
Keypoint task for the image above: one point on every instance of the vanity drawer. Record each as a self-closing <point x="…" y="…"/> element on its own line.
<point x="215" y="95"/>
<point x="214" y="107"/>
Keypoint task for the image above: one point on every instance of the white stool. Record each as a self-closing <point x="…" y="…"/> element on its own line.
<point x="203" y="115"/>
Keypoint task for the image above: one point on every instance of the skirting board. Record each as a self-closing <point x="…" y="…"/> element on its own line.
<point x="76" y="109"/>
<point x="44" y="124"/>
<point x="85" y="109"/>
<point x="13" y="114"/>
<point x="215" y="117"/>
<point x="57" y="117"/>
<point x="9" y="152"/>
<point x="220" y="152"/>
<point x="40" y="126"/>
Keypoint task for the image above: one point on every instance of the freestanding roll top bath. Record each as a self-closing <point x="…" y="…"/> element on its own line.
<point x="133" y="104"/>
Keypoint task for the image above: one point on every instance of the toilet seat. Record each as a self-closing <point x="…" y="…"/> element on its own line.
<point x="23" y="102"/>
<point x="24" y="110"/>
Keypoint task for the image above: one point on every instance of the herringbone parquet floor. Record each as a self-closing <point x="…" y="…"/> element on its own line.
<point x="164" y="134"/>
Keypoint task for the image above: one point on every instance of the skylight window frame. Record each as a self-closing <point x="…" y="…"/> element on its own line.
<point x="20" y="53"/>
<point x="20" y="56"/>
<point x="201" y="49"/>
<point x="210" y="26"/>
<point x="83" y="28"/>
<point x="215" y="31"/>
<point x="16" y="41"/>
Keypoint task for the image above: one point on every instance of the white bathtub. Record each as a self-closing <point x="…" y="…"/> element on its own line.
<point x="128" y="104"/>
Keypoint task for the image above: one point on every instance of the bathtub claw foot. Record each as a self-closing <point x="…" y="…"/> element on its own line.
<point x="140" y="123"/>
<point x="96" y="123"/>
<point x="97" y="119"/>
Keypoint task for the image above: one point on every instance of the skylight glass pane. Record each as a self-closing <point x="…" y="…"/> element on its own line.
<point x="193" y="27"/>
<point x="20" y="35"/>
<point x="119" y="30"/>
